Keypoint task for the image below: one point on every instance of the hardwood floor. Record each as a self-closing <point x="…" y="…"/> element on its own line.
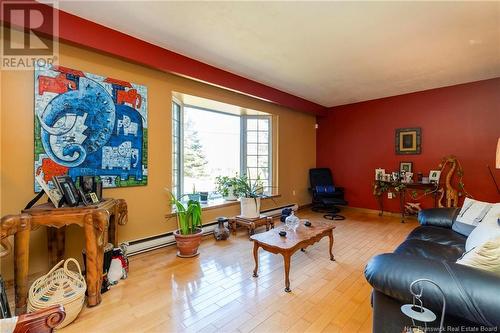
<point x="216" y="292"/>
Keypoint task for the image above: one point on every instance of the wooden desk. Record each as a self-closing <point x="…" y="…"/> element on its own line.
<point x="99" y="222"/>
<point x="303" y="237"/>
<point x="430" y="188"/>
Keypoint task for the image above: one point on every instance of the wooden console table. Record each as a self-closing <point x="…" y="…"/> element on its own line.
<point x="99" y="222"/>
<point x="430" y="188"/>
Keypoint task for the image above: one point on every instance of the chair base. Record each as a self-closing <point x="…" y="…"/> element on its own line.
<point x="331" y="212"/>
<point x="334" y="217"/>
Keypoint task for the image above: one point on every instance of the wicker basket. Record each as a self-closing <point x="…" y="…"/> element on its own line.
<point x="59" y="286"/>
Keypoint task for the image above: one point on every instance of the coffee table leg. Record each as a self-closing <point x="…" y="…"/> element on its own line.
<point x="256" y="258"/>
<point x="286" y="257"/>
<point x="330" y="236"/>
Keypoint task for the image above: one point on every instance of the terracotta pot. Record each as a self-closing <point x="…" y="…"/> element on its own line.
<point x="187" y="245"/>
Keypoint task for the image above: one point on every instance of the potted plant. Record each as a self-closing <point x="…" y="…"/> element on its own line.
<point x="250" y="194"/>
<point x="225" y="186"/>
<point x="188" y="236"/>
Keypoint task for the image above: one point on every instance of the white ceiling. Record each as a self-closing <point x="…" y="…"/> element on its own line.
<point x="331" y="53"/>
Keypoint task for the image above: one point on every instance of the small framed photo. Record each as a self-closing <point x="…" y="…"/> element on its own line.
<point x="434" y="176"/>
<point x="379" y="174"/>
<point x="53" y="193"/>
<point x="406" y="166"/>
<point x="408" y="141"/>
<point x="94" y="197"/>
<point x="68" y="189"/>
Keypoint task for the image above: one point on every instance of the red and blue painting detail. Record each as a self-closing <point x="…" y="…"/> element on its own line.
<point x="89" y="125"/>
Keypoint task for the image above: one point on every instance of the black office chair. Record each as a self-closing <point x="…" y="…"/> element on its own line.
<point x="326" y="197"/>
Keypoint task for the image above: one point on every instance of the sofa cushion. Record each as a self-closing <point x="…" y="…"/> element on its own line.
<point x="429" y="250"/>
<point x="487" y="230"/>
<point x="486" y="256"/>
<point x="438" y="235"/>
<point x="470" y="215"/>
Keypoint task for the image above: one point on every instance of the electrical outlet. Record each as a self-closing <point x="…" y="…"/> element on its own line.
<point x="293" y="192"/>
<point x="389" y="195"/>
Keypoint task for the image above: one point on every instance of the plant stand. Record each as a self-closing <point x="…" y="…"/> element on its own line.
<point x="251" y="224"/>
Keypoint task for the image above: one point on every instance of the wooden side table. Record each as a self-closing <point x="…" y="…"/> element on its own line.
<point x="99" y="221"/>
<point x="251" y="223"/>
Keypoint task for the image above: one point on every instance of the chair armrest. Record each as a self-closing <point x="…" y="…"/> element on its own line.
<point x="470" y="293"/>
<point x="438" y="217"/>
<point x="41" y="321"/>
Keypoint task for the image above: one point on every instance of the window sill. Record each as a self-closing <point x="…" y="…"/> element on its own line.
<point x="216" y="204"/>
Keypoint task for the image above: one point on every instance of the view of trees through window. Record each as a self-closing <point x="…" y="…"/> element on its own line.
<point x="211" y="148"/>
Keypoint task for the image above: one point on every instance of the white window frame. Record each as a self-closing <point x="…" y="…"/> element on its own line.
<point x="180" y="149"/>
<point x="243" y="143"/>
<point x="244" y="153"/>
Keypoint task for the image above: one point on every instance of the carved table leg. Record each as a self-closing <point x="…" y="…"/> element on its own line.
<point x="256" y="258"/>
<point x="286" y="257"/>
<point x="21" y="263"/>
<point x="330" y="245"/>
<point x="233" y="226"/>
<point x="113" y="230"/>
<point x="95" y="226"/>
<point x="402" y="205"/>
<point x="56" y="241"/>
<point x="251" y="229"/>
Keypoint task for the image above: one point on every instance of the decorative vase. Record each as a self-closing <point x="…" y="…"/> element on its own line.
<point x="250" y="207"/>
<point x="292" y="222"/>
<point x="194" y="196"/>
<point x="187" y="245"/>
<point x="204" y="197"/>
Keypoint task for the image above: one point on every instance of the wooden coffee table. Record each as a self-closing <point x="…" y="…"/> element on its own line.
<point x="304" y="236"/>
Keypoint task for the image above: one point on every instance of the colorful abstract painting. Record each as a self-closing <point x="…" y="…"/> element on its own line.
<point x="90" y="125"/>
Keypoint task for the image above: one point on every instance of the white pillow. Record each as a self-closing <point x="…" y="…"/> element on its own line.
<point x="485" y="256"/>
<point x="473" y="211"/>
<point x="487" y="230"/>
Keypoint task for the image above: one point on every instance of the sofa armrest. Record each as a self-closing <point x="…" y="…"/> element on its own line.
<point x="470" y="293"/>
<point x="438" y="217"/>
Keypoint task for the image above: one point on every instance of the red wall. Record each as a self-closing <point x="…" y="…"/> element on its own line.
<point x="353" y="140"/>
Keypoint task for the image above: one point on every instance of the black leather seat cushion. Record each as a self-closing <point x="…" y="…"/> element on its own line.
<point x="429" y="250"/>
<point x="438" y="235"/>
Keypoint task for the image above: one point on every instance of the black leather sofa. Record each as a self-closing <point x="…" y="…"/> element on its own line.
<point x="430" y="251"/>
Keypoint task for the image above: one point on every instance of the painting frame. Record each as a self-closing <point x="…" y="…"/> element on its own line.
<point x="434" y="176"/>
<point x="68" y="189"/>
<point x="408" y="141"/>
<point x="406" y="166"/>
<point x="87" y="124"/>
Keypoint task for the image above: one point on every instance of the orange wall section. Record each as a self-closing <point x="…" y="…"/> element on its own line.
<point x="294" y="137"/>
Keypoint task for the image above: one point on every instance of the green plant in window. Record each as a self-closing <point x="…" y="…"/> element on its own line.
<point x="223" y="184"/>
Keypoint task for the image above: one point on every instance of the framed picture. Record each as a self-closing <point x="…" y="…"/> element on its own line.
<point x="406" y="166"/>
<point x="408" y="141"/>
<point x="68" y="189"/>
<point x="434" y="176"/>
<point x="53" y="193"/>
<point x="379" y="174"/>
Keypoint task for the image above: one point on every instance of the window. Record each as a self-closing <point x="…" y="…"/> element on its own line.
<point x="257" y="149"/>
<point x="176" y="148"/>
<point x="208" y="143"/>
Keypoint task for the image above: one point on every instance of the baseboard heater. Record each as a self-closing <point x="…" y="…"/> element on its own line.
<point x="155" y="242"/>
